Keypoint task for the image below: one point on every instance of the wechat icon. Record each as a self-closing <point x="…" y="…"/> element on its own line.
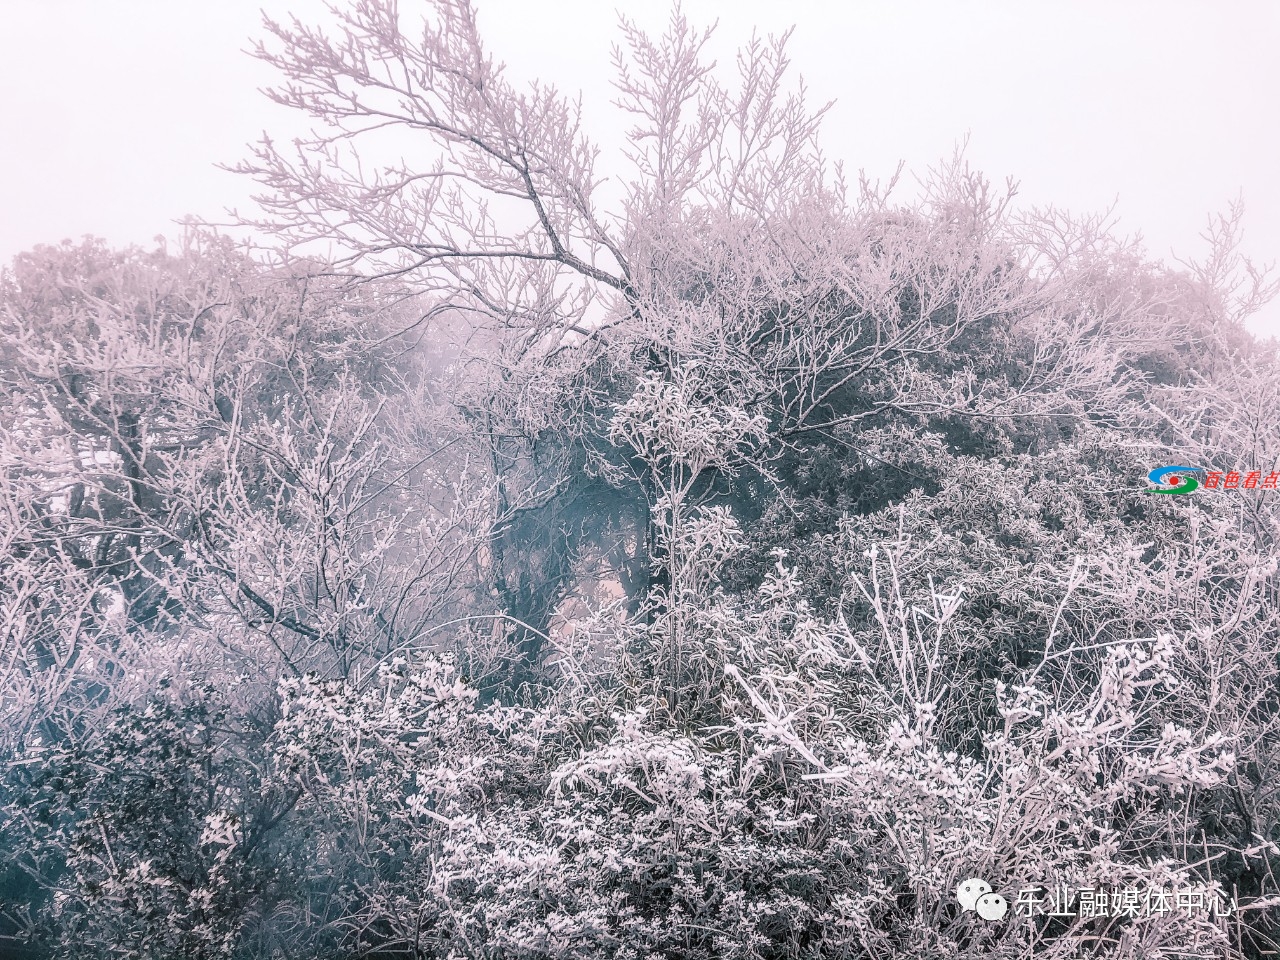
<point x="976" y="894"/>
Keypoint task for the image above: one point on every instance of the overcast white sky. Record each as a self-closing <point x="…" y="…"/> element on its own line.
<point x="114" y="113"/>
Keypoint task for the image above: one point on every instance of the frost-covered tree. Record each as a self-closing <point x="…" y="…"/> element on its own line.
<point x="202" y="480"/>
<point x="734" y="248"/>
<point x="722" y="563"/>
